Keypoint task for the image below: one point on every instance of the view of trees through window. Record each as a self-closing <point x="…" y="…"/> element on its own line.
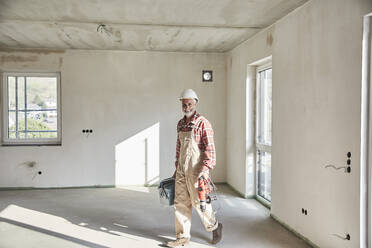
<point x="32" y="107"/>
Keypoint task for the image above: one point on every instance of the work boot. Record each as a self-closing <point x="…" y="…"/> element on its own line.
<point x="217" y="234"/>
<point x="178" y="242"/>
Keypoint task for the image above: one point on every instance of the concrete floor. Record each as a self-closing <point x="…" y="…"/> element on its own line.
<point x="127" y="217"/>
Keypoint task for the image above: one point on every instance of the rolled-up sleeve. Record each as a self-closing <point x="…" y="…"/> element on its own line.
<point x="209" y="150"/>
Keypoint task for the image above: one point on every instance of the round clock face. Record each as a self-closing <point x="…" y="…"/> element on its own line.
<point x="207" y="76"/>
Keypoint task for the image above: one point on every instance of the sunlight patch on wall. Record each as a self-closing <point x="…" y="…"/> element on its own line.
<point x="137" y="158"/>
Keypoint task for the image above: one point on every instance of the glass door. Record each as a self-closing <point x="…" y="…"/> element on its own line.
<point x="263" y="132"/>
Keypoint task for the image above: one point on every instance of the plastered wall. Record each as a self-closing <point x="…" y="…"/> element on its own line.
<point x="316" y="57"/>
<point x="317" y="54"/>
<point x="124" y="97"/>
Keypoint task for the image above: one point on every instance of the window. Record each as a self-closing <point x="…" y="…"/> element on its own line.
<point x="263" y="132"/>
<point x="31" y="108"/>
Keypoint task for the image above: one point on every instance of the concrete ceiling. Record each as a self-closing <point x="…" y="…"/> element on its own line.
<point x="138" y="25"/>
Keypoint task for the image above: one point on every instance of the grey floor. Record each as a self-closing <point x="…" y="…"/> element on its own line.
<point x="127" y="217"/>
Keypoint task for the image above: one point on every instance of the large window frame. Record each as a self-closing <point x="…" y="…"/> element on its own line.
<point x="261" y="147"/>
<point x="366" y="137"/>
<point x="5" y="110"/>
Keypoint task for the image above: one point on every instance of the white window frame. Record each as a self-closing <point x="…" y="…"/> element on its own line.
<point x="260" y="147"/>
<point x="45" y="141"/>
<point x="366" y="137"/>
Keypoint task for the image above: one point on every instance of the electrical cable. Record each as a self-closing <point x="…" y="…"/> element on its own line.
<point x="334" y="167"/>
<point x="347" y="236"/>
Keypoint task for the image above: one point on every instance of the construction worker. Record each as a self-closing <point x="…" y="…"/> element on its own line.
<point x="195" y="157"/>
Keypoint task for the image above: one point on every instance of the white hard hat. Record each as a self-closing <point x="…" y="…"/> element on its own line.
<point x="189" y="94"/>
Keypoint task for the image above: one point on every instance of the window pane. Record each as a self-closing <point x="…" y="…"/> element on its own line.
<point x="42" y="121"/>
<point x="13" y="127"/>
<point x="261" y="105"/>
<point x="267" y="107"/>
<point x="50" y="119"/>
<point x="21" y="135"/>
<point x="12" y="135"/>
<point x="11" y="93"/>
<point x="264" y="175"/>
<point x="41" y="93"/>
<point x="264" y="107"/>
<point x="21" y="92"/>
<point x="12" y="122"/>
<point x="41" y="135"/>
<point x="21" y="125"/>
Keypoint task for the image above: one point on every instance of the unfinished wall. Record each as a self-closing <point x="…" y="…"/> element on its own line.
<point x="130" y="100"/>
<point x="240" y="108"/>
<point x="317" y="58"/>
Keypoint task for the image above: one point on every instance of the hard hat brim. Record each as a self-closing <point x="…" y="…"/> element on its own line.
<point x="183" y="98"/>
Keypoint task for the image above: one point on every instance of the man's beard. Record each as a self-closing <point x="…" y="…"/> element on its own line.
<point x="189" y="114"/>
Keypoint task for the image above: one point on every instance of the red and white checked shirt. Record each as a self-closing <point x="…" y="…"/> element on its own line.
<point x="203" y="133"/>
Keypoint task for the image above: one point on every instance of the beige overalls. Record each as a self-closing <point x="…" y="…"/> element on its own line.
<point x="186" y="197"/>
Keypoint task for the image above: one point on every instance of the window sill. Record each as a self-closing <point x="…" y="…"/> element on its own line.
<point x="24" y="144"/>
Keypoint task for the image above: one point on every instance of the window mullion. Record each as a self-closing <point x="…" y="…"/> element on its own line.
<point x="25" y="90"/>
<point x="263" y="147"/>
<point x="262" y="97"/>
<point x="16" y="102"/>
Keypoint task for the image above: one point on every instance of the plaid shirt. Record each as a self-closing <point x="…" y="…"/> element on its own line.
<point x="203" y="133"/>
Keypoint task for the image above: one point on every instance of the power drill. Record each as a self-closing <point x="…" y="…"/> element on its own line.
<point x="203" y="191"/>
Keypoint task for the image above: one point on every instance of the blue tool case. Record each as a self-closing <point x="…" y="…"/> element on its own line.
<point x="166" y="191"/>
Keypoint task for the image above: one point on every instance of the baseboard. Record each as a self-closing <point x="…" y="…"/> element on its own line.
<point x="238" y="192"/>
<point x="136" y="185"/>
<point x="70" y="187"/>
<point x="263" y="201"/>
<point x="286" y="226"/>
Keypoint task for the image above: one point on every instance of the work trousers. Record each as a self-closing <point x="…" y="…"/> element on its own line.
<point x="186" y="189"/>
